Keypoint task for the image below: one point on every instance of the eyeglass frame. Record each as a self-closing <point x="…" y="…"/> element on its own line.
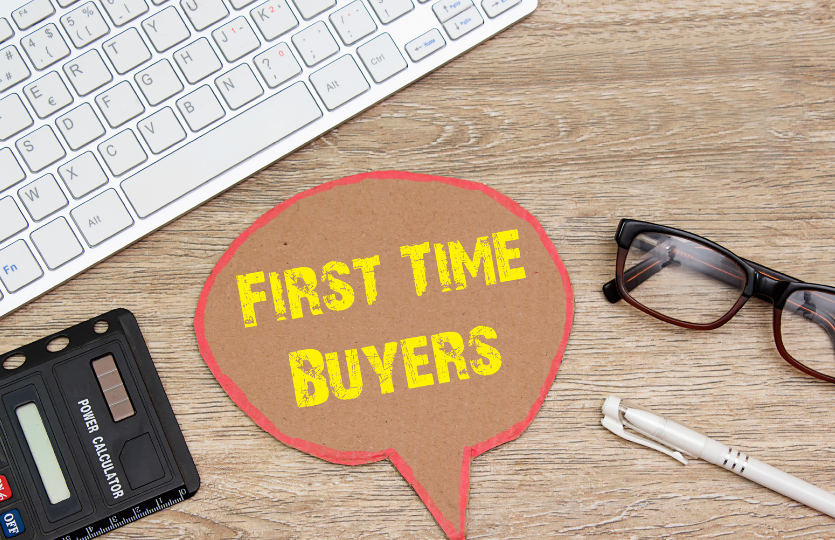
<point x="760" y="282"/>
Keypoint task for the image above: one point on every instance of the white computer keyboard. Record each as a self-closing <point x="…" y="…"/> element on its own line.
<point x="118" y="116"/>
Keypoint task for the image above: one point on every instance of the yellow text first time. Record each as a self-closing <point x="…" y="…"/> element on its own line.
<point x="488" y="257"/>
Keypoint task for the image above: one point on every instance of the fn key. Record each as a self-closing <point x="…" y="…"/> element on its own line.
<point x="101" y="217"/>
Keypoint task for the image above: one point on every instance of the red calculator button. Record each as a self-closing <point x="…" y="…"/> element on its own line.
<point x="5" y="489"/>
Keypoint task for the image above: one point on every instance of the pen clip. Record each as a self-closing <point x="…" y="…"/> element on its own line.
<point x="612" y="421"/>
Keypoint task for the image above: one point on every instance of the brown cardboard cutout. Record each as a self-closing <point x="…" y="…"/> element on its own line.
<point x="391" y="316"/>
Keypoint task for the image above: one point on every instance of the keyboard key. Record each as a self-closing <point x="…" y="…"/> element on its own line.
<point x="239" y="86"/>
<point x="425" y="45"/>
<point x="123" y="11"/>
<point x="66" y="3"/>
<point x="101" y="217"/>
<point x="388" y="10"/>
<point x="45" y="46"/>
<point x="6" y="31"/>
<point x="277" y="65"/>
<point x="494" y="8"/>
<point x="240" y="4"/>
<point x="197" y="61"/>
<point x="315" y="43"/>
<point x="47" y="94"/>
<point x="127" y="50"/>
<point x="56" y="243"/>
<point x="10" y="171"/>
<point x="18" y="267"/>
<point x="84" y="25"/>
<point x="200" y="108"/>
<point x="311" y="8"/>
<point x="161" y="130"/>
<point x="14" y="117"/>
<point x="11" y="219"/>
<point x="82" y="175"/>
<point x="236" y="39"/>
<point x="339" y="82"/>
<point x="463" y="23"/>
<point x="198" y="162"/>
<point x="12" y="68"/>
<point x="42" y="197"/>
<point x="274" y="18"/>
<point x="122" y="153"/>
<point x="204" y="13"/>
<point x="87" y="73"/>
<point x="80" y="126"/>
<point x="447" y="9"/>
<point x="381" y="58"/>
<point x="158" y="82"/>
<point x="40" y="149"/>
<point x="166" y="29"/>
<point x="119" y="104"/>
<point x="32" y="13"/>
<point x="353" y="22"/>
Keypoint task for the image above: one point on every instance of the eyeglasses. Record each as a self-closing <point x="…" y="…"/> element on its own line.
<point x="689" y="281"/>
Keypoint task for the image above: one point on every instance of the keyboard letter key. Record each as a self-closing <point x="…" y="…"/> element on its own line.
<point x="204" y="13"/>
<point x="127" y="50"/>
<point x="40" y="149"/>
<point x="273" y="19"/>
<point x="101" y="217"/>
<point x="48" y="94"/>
<point x="166" y="29"/>
<point x="18" y="267"/>
<point x="119" y="104"/>
<point x="339" y="82"/>
<point x="56" y="243"/>
<point x="87" y="73"/>
<point x="197" y="61"/>
<point x="239" y="86"/>
<point x="311" y="8"/>
<point x="158" y="82"/>
<point x="122" y="152"/>
<point x="42" y="197"/>
<point x="10" y="171"/>
<point x="14" y="117"/>
<point x="236" y="39"/>
<point x="82" y="175"/>
<point x="200" y="108"/>
<point x="161" y="130"/>
<point x="80" y="126"/>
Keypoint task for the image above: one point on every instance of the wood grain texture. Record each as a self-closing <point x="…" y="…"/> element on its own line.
<point x="715" y="116"/>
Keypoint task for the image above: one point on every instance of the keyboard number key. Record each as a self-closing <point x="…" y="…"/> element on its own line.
<point x="101" y="217"/>
<point x="84" y="25"/>
<point x="56" y="243"/>
<point x="274" y="18"/>
<point x="200" y="108"/>
<point x="18" y="267"/>
<point x="87" y="73"/>
<point x="123" y="11"/>
<point x="339" y="82"/>
<point x="382" y="58"/>
<point x="14" y="117"/>
<point x="122" y="152"/>
<point x="32" y="13"/>
<point x="45" y="46"/>
<point x="40" y="149"/>
<point x="12" y="68"/>
<point x="42" y="197"/>
<point x="389" y="10"/>
<point x="82" y="175"/>
<point x="277" y="65"/>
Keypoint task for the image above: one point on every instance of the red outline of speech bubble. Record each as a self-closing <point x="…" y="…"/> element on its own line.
<point x="360" y="458"/>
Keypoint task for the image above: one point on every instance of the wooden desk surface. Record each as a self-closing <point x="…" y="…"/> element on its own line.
<point x="715" y="116"/>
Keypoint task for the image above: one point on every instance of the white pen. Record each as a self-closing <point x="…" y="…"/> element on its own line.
<point x="674" y="439"/>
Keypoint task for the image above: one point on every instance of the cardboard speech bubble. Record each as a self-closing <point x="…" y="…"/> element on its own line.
<point x="392" y="316"/>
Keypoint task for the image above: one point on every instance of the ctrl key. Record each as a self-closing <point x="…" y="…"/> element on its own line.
<point x="12" y="523"/>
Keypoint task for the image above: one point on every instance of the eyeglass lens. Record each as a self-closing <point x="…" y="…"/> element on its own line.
<point x="807" y="329"/>
<point x="682" y="279"/>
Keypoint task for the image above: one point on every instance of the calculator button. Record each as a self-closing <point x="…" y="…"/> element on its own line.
<point x="494" y="8"/>
<point x="12" y="523"/>
<point x="18" y="266"/>
<point x="56" y="243"/>
<point x="5" y="489"/>
<point x="339" y="82"/>
<point x="463" y="23"/>
<point x="381" y="58"/>
<point x="32" y="13"/>
<point x="101" y="217"/>
<point x="425" y="45"/>
<point x="11" y="219"/>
